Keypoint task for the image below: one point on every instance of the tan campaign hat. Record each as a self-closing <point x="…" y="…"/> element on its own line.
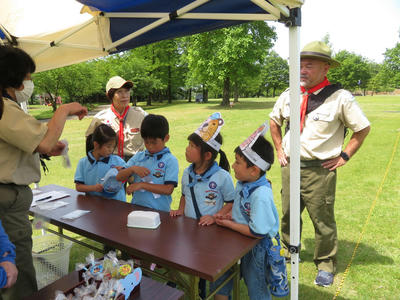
<point x="118" y="82"/>
<point x="319" y="50"/>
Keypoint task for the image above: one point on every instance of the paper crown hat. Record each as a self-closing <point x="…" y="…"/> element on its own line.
<point x="249" y="142"/>
<point x="209" y="129"/>
<point x="110" y="183"/>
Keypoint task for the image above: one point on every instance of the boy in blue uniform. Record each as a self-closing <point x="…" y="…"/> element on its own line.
<point x="155" y="170"/>
<point x="254" y="214"/>
<point x="8" y="271"/>
<point x="94" y="168"/>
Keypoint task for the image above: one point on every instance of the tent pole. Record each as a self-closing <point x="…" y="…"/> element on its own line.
<point x="157" y="23"/>
<point x="65" y="36"/>
<point x="294" y="84"/>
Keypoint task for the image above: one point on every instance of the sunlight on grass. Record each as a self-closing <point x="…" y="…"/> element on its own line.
<point x="374" y="271"/>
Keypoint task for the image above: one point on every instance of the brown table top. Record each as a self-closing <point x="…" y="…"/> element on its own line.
<point x="149" y="289"/>
<point x="178" y="243"/>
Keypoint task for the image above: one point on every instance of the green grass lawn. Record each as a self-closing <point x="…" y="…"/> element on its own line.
<point x="367" y="200"/>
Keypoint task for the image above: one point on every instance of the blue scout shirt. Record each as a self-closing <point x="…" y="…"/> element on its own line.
<point x="254" y="206"/>
<point x="211" y="189"/>
<point x="90" y="172"/>
<point x="163" y="168"/>
<point x="5" y="247"/>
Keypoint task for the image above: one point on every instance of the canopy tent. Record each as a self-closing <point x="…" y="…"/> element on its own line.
<point x="64" y="32"/>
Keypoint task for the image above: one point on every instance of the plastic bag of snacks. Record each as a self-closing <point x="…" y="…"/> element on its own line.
<point x="107" y="278"/>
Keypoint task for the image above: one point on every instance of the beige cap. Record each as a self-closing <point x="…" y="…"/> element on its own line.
<point x="118" y="82"/>
<point x="319" y="50"/>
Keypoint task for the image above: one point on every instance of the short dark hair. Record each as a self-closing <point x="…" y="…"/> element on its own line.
<point x="263" y="148"/>
<point x="204" y="147"/>
<point x="154" y="126"/>
<point x="101" y="135"/>
<point x="15" y="64"/>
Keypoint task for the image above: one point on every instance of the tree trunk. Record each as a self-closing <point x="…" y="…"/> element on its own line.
<point x="205" y="93"/>
<point x="52" y="101"/>
<point x="149" y="100"/>
<point x="236" y="93"/>
<point x="273" y="91"/>
<point x="169" y="89"/>
<point x="226" y="92"/>
<point x="267" y="93"/>
<point x="190" y="95"/>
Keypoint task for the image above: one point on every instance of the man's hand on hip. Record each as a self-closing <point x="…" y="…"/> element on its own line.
<point x="333" y="163"/>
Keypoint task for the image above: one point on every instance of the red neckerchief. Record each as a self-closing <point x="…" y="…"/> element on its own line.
<point x="121" y="129"/>
<point x="307" y="93"/>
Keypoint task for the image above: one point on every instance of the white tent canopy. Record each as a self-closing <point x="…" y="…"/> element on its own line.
<point x="58" y="33"/>
<point x="64" y="32"/>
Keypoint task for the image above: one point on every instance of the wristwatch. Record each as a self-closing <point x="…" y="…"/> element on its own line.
<point x="344" y="155"/>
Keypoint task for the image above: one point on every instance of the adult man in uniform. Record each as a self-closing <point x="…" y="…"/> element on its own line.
<point x="326" y="113"/>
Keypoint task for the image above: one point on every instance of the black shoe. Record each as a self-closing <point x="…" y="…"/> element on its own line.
<point x="324" y="278"/>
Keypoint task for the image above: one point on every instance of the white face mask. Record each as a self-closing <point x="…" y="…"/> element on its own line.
<point x="26" y="93"/>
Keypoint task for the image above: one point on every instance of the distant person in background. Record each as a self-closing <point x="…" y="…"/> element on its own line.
<point x="22" y="138"/>
<point x="327" y="111"/>
<point x="124" y="119"/>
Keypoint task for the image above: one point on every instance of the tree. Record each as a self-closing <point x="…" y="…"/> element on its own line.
<point x="275" y="73"/>
<point x="226" y="55"/>
<point x="391" y="65"/>
<point x="49" y="82"/>
<point x="353" y="73"/>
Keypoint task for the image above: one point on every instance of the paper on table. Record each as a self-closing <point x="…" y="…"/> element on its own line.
<point x="52" y="205"/>
<point x="48" y="196"/>
<point x="35" y="192"/>
<point x="75" y="214"/>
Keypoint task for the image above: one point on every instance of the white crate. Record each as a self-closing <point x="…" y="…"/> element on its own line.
<point x="50" y="258"/>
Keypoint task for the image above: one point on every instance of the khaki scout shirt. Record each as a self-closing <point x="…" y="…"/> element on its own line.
<point x="20" y="134"/>
<point x="323" y="133"/>
<point x="133" y="141"/>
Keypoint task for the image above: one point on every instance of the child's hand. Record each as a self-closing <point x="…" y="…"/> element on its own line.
<point x="119" y="168"/>
<point x="11" y="272"/>
<point x="206" y="220"/>
<point x="176" y="213"/>
<point x="98" y="188"/>
<point x="141" y="171"/>
<point x="133" y="188"/>
<point x="227" y="216"/>
<point x="224" y="222"/>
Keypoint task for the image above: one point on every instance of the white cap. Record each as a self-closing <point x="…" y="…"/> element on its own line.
<point x="118" y="82"/>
